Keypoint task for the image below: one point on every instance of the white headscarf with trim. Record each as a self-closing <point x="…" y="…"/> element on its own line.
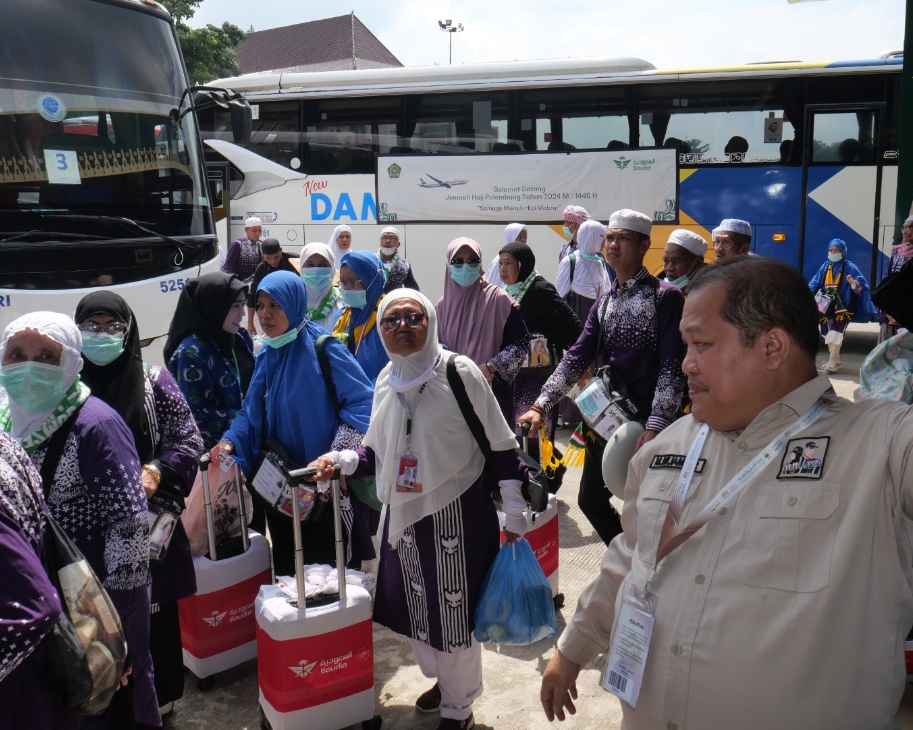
<point x="63" y="330"/>
<point x="450" y="461"/>
<point x="591" y="279"/>
<point x="334" y="247"/>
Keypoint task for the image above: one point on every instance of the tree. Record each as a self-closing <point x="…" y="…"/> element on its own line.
<point x="697" y="146"/>
<point x="209" y="52"/>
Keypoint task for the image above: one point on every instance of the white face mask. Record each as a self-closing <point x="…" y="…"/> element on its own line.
<point x="388" y="250"/>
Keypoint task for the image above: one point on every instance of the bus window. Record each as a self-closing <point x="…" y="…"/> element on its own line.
<point x="844" y="137"/>
<point x="344" y="135"/>
<point x="722" y="123"/>
<point x="274" y="134"/>
<point x="578" y="117"/>
<point x="458" y="123"/>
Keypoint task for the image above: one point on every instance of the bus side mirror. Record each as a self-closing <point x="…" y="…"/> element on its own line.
<point x="241" y="121"/>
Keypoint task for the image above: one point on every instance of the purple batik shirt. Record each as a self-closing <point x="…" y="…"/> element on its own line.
<point x="243" y="258"/>
<point x="639" y="337"/>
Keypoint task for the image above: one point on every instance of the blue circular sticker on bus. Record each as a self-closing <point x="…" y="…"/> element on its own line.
<point x="52" y="108"/>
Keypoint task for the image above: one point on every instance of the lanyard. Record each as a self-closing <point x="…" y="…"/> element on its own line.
<point x="405" y="404"/>
<point x="669" y="538"/>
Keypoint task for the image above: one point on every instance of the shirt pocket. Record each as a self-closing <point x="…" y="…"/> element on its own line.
<point x="653" y="502"/>
<point x="790" y="541"/>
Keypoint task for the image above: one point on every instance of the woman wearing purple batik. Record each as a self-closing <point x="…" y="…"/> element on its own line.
<point x="441" y="530"/>
<point x="482" y="322"/>
<point x="29" y="605"/>
<point x="169" y="445"/>
<point x="96" y="495"/>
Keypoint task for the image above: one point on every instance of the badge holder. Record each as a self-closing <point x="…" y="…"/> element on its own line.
<point x="630" y="647"/>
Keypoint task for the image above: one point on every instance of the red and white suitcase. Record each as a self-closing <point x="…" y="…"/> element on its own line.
<point x="315" y="663"/>
<point x="542" y="536"/>
<point x="218" y="628"/>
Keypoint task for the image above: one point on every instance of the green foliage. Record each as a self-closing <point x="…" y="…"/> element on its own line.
<point x="698" y="146"/>
<point x="208" y="52"/>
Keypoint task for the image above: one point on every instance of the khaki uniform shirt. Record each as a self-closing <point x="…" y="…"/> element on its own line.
<point x="788" y="610"/>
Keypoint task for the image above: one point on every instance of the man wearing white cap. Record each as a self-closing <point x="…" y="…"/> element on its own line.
<point x="244" y="255"/>
<point x="683" y="257"/>
<point x="634" y="328"/>
<point x="732" y="238"/>
<point x="397" y="269"/>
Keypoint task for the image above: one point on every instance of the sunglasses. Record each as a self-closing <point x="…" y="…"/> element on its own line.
<point x="459" y="263"/>
<point x="413" y="320"/>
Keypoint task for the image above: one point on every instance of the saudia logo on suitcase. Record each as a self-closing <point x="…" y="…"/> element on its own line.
<point x="215" y="618"/>
<point x="328" y="666"/>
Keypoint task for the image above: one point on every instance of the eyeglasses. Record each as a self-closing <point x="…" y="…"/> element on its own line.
<point x="413" y="320"/>
<point x="346" y="285"/>
<point x="389" y="237"/>
<point x="112" y="328"/>
<point x="459" y="263"/>
<point x="906" y="228"/>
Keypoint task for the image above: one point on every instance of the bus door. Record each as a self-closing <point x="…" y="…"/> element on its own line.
<point x="217" y="175"/>
<point x="846" y="193"/>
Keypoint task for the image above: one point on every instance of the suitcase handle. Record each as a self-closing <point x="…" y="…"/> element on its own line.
<point x="205" y="461"/>
<point x="524" y="431"/>
<point x="337" y="527"/>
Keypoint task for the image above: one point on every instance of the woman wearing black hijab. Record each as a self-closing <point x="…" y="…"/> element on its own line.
<point x="553" y="326"/>
<point x="169" y="446"/>
<point x="209" y="353"/>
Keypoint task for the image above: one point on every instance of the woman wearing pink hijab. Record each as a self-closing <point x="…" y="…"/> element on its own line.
<point x="482" y="322"/>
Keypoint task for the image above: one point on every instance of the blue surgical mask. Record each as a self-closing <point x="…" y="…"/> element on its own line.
<point x="835" y="257"/>
<point x="281" y="340"/>
<point x="681" y="282"/>
<point x="33" y="386"/>
<point x="567" y="233"/>
<point x="355" y="298"/>
<point x="465" y="275"/>
<point x="101" y="348"/>
<point x="317" y="277"/>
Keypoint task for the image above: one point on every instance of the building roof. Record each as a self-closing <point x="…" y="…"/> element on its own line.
<point x="331" y="44"/>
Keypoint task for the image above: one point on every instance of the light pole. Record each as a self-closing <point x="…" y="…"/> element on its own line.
<point x="448" y="27"/>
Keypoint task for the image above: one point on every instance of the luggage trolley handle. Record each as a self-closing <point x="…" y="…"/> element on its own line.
<point x="524" y="431"/>
<point x="205" y="461"/>
<point x="337" y="528"/>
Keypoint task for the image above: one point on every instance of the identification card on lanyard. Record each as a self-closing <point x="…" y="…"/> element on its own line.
<point x="408" y="474"/>
<point x="634" y="627"/>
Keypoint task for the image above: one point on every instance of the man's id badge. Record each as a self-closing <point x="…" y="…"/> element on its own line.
<point x="408" y="478"/>
<point x="630" y="645"/>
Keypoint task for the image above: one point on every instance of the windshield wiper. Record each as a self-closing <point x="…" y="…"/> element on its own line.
<point x="53" y="234"/>
<point x="127" y="222"/>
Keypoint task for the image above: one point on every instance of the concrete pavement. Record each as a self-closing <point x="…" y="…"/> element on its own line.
<point x="512" y="674"/>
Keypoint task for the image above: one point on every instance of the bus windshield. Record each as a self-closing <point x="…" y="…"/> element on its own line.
<point x="94" y="122"/>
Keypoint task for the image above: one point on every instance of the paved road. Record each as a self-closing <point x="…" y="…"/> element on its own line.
<point x="510" y="700"/>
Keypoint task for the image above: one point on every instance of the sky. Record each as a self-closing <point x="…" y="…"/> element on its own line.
<point x="667" y="33"/>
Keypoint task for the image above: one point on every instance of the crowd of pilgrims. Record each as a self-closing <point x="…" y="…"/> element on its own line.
<point x="518" y="343"/>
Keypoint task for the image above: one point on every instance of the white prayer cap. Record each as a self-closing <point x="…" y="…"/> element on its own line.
<point x="909" y="218"/>
<point x="631" y="220"/>
<point x="251" y="222"/>
<point x="734" y="225"/>
<point x="689" y="240"/>
<point x="391" y="229"/>
<point x="713" y="234"/>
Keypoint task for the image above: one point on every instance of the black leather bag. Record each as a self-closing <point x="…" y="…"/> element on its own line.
<point x="893" y="295"/>
<point x="535" y="491"/>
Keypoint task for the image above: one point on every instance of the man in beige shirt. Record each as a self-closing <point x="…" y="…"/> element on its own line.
<point x="788" y="609"/>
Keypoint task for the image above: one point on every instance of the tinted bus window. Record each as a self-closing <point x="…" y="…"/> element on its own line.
<point x="844" y="137"/>
<point x="344" y="135"/>
<point x="574" y="118"/>
<point x="458" y="123"/>
<point x="275" y="133"/>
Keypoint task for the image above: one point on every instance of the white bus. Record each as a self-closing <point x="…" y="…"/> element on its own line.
<point x="102" y="183"/>
<point x="805" y="151"/>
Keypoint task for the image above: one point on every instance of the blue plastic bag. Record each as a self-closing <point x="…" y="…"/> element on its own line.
<point x="516" y="605"/>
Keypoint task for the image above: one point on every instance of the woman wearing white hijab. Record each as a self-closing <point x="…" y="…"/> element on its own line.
<point x="590" y="278"/>
<point x="318" y="267"/>
<point x="340" y="243"/>
<point x="441" y="531"/>
<point x="513" y="232"/>
<point x="96" y="493"/>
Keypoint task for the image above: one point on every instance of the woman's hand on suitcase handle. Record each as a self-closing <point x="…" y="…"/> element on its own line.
<point x="533" y="418"/>
<point x="325" y="466"/>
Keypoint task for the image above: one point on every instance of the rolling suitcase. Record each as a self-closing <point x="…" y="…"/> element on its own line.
<point x="542" y="536"/>
<point x="218" y="628"/>
<point x="315" y="659"/>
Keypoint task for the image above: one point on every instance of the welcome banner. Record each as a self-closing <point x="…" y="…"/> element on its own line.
<point x="533" y="187"/>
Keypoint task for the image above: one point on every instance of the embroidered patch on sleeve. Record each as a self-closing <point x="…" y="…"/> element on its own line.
<point x="675" y="461"/>
<point x="804" y="458"/>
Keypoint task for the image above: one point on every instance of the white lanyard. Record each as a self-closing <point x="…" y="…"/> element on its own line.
<point x="669" y="538"/>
